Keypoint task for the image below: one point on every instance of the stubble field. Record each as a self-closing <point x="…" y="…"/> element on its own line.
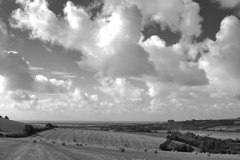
<point x="97" y="145"/>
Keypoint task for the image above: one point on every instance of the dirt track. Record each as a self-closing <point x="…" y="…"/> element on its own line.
<point x="24" y="149"/>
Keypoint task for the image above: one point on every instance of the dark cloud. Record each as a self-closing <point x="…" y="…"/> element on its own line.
<point x="16" y="71"/>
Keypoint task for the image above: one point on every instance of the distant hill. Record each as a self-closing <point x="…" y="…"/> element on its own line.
<point x="12" y="126"/>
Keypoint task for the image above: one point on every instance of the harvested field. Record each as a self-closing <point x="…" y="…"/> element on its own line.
<point x="23" y="149"/>
<point x="104" y="138"/>
<point x="227" y="128"/>
<point x="214" y="134"/>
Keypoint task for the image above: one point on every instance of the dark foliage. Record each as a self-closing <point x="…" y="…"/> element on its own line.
<point x="207" y="144"/>
<point x="170" y="145"/>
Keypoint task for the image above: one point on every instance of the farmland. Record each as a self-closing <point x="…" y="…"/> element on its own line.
<point x="104" y="138"/>
<point x="25" y="149"/>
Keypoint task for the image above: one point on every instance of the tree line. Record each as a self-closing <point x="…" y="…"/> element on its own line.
<point x="207" y="144"/>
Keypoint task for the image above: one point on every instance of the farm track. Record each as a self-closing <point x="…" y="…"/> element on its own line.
<point x="24" y="149"/>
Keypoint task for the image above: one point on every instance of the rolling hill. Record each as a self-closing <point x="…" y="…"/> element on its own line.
<point x="12" y="126"/>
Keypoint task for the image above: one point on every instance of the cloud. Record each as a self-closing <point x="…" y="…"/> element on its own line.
<point x="21" y="96"/>
<point x="121" y="90"/>
<point x="62" y="73"/>
<point x="65" y="74"/>
<point x="178" y="15"/>
<point x="172" y="65"/>
<point x="109" y="44"/>
<point x="16" y="71"/>
<point x="158" y="106"/>
<point x="44" y="85"/>
<point x="17" y="76"/>
<point x="3" y="35"/>
<point x="228" y="3"/>
<point x="112" y="42"/>
<point x="221" y="64"/>
<point x="35" y="68"/>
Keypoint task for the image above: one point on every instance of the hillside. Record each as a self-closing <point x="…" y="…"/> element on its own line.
<point x="12" y="126"/>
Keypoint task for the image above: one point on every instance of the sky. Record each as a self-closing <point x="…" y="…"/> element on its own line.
<point x="119" y="60"/>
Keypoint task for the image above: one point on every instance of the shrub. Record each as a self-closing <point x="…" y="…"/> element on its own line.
<point x="63" y="143"/>
<point x="145" y="150"/>
<point x="34" y="141"/>
<point x="16" y="135"/>
<point x="155" y="151"/>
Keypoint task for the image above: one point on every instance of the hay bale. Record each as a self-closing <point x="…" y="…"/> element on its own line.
<point x="63" y="143"/>
<point x="122" y="149"/>
<point x="207" y="154"/>
<point x="176" y="151"/>
<point x="34" y="141"/>
<point x="53" y="142"/>
<point x="155" y="151"/>
<point x="145" y="150"/>
<point x="195" y="153"/>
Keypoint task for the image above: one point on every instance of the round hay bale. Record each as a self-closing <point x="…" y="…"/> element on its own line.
<point x="195" y="153"/>
<point x="85" y="143"/>
<point x="122" y="149"/>
<point x="207" y="154"/>
<point x="145" y="150"/>
<point x="80" y="144"/>
<point x="34" y="141"/>
<point x="172" y="150"/>
<point x="53" y="142"/>
<point x="155" y="151"/>
<point x="105" y="146"/>
<point x="176" y="151"/>
<point x="63" y="143"/>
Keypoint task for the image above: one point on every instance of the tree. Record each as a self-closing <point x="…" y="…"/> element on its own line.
<point x="190" y="148"/>
<point x="6" y="117"/>
<point x="29" y="129"/>
<point x="49" y="126"/>
<point x="0" y="116"/>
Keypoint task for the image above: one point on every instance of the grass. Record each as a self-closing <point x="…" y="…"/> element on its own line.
<point x="10" y="126"/>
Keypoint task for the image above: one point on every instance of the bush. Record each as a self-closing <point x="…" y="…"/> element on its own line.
<point x="155" y="151"/>
<point x="16" y="135"/>
<point x="63" y="143"/>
